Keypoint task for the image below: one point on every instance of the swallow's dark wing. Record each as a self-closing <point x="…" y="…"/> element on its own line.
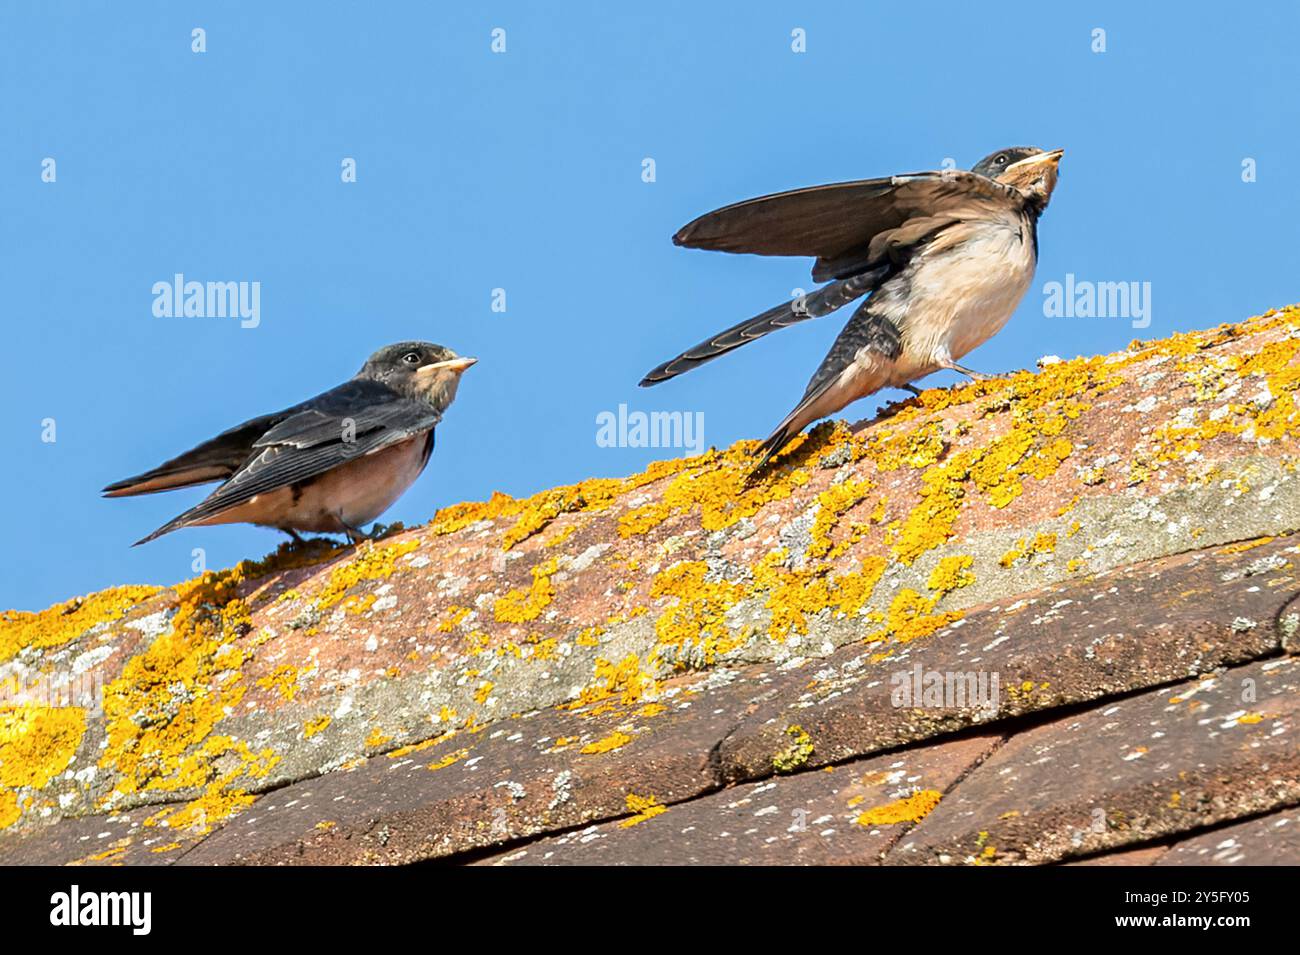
<point x="360" y="406"/>
<point x="836" y="223"/>
<point x="856" y="272"/>
<point x="218" y="458"/>
<point x="213" y="460"/>
<point x="323" y="434"/>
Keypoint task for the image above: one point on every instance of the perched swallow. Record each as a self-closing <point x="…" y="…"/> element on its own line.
<point x="333" y="463"/>
<point x="944" y="257"/>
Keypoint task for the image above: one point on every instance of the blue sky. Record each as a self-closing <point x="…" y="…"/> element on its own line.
<point x="523" y="171"/>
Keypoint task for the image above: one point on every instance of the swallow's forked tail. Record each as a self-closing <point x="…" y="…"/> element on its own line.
<point x="824" y="397"/>
<point x="820" y="302"/>
<point x="175" y="524"/>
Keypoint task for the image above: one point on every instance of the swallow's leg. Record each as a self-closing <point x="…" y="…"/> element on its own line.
<point x="295" y="536"/>
<point x="912" y="388"/>
<point x="969" y="373"/>
<point x="355" y="534"/>
<point x="944" y="361"/>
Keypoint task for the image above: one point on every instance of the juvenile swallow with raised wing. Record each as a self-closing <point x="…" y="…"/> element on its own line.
<point x="331" y="464"/>
<point x="942" y="259"/>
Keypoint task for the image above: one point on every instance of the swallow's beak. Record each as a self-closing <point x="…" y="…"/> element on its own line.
<point x="456" y="365"/>
<point x="1052" y="157"/>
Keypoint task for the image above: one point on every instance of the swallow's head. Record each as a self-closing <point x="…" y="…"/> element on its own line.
<point x="1027" y="168"/>
<point x="420" y="370"/>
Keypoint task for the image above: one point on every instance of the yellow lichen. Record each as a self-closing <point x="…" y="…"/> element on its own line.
<point x="643" y="519"/>
<point x="833" y="503"/>
<point x="1044" y="543"/>
<point x="534" y="514"/>
<point x="796" y="595"/>
<point x="284" y="680"/>
<point x="912" y="808"/>
<point x="625" y="680"/>
<point x="995" y="471"/>
<point x="521" y="606"/>
<point x="161" y="711"/>
<point x="796" y="753"/>
<point x="931" y="522"/>
<point x="645" y="807"/>
<point x="615" y="740"/>
<point x="696" y="621"/>
<point x="952" y="573"/>
<point x="452" y="618"/>
<point x="1244" y="546"/>
<point x="993" y="441"/>
<point x="38" y="742"/>
<point x="66" y="621"/>
<point x="560" y="536"/>
<point x="317" y="724"/>
<point x="911" y="617"/>
<point x="9" y="810"/>
<point x="1047" y="460"/>
<point x="218" y="803"/>
<point x="417" y="747"/>
<point x="375" y="562"/>
<point x="447" y="760"/>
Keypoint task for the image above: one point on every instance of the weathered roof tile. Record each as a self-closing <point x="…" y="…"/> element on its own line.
<point x="1136" y="769"/>
<point x="848" y="815"/>
<point x="1141" y="626"/>
<point x="1059" y="531"/>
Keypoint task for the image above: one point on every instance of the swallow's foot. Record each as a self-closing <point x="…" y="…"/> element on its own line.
<point x="298" y="542"/>
<point x="913" y="389"/>
<point x="355" y="534"/>
<point x="891" y="409"/>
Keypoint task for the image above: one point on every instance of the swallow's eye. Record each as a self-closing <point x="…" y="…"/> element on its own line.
<point x="1001" y="160"/>
<point x="411" y="358"/>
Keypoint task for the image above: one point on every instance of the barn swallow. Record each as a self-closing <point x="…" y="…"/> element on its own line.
<point x="331" y="464"/>
<point x="942" y="259"/>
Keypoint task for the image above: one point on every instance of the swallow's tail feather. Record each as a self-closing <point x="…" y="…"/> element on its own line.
<point x="175" y="524"/>
<point x="804" y="414"/>
<point x="826" y="395"/>
<point x="200" y="513"/>
<point x="214" y="460"/>
<point x="821" y="302"/>
<point x="166" y="479"/>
